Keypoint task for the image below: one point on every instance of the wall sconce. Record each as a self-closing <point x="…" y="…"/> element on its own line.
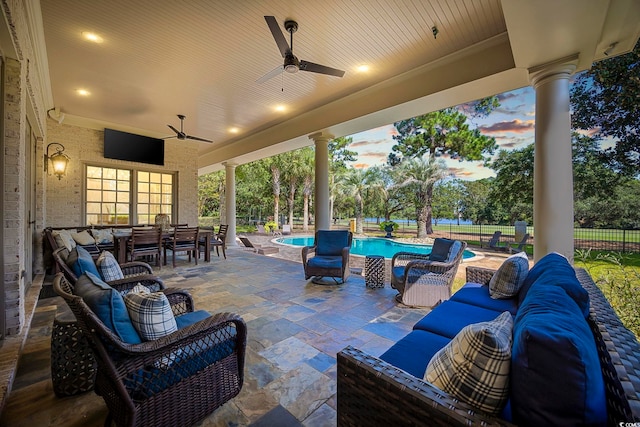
<point x="59" y="160"/>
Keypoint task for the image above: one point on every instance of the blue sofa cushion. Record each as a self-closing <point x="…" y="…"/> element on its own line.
<point x="555" y="371"/>
<point x="171" y="370"/>
<point x="331" y="242"/>
<point x="478" y="295"/>
<point x="554" y="270"/>
<point x="190" y="318"/>
<point x="413" y="352"/>
<point x="108" y="305"/>
<point x="448" y="318"/>
<point x="440" y="249"/>
<point x="84" y="263"/>
<point x="325" y="262"/>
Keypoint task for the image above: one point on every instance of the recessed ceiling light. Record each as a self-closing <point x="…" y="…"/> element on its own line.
<point x="363" y="68"/>
<point x="83" y="92"/>
<point x="234" y="130"/>
<point x="92" y="37"/>
<point x="280" y="108"/>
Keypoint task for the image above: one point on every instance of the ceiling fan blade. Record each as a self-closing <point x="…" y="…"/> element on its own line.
<point x="271" y="74"/>
<point x="277" y="35"/>
<point x="198" y="139"/>
<point x="174" y="129"/>
<point x="322" y="69"/>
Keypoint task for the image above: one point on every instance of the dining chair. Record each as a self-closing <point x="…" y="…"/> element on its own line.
<point x="184" y="239"/>
<point x="217" y="240"/>
<point x="145" y="241"/>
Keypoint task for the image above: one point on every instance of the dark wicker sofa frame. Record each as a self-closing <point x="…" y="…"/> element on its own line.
<point x="374" y="393"/>
<point x="155" y="383"/>
<point x="50" y="245"/>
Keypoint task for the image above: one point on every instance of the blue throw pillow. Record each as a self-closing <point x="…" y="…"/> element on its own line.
<point x="331" y="242"/>
<point x="84" y="263"/>
<point x="108" y="305"/>
<point x="440" y="249"/>
<point x="556" y="377"/>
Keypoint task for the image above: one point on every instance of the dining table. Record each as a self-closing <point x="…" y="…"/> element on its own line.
<point x="121" y="239"/>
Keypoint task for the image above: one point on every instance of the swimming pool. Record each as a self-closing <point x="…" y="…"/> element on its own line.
<point x="370" y="246"/>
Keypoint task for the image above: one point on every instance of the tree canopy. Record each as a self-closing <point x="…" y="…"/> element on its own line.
<point x="604" y="101"/>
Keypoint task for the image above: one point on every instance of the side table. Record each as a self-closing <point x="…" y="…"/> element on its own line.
<point x="73" y="365"/>
<point x="374" y="271"/>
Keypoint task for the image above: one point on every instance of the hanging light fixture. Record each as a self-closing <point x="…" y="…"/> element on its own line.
<point x="59" y="160"/>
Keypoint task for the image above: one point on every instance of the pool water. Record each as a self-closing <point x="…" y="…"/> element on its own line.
<point x="370" y="246"/>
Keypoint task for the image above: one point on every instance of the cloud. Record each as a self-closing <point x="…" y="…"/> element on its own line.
<point x="366" y="142"/>
<point x="513" y="126"/>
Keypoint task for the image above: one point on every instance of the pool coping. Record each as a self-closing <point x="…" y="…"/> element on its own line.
<point x="477" y="256"/>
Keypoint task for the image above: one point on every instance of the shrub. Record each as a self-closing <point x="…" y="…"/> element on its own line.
<point x="619" y="282"/>
<point x="384" y="224"/>
<point x="271" y="226"/>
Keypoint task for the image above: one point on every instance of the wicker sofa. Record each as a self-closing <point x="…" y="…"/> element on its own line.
<point x="383" y="391"/>
<point x="50" y="243"/>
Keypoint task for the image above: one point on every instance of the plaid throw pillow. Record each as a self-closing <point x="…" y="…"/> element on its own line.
<point x="108" y="267"/>
<point x="150" y="313"/>
<point x="507" y="281"/>
<point x="474" y="366"/>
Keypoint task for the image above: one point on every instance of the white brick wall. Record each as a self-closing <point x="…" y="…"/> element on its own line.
<point x="64" y="198"/>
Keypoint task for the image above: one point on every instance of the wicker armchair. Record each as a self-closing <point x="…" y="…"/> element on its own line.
<point x="424" y="280"/>
<point x="328" y="257"/>
<point x="176" y="380"/>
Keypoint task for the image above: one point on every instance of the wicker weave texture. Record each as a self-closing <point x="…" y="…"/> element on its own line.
<point x="374" y="271"/>
<point x="73" y="367"/>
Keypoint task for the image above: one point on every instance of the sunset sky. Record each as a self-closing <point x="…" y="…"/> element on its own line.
<point x="512" y="125"/>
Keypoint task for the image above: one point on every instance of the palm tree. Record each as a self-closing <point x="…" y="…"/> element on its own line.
<point x="357" y="183"/>
<point x="419" y="175"/>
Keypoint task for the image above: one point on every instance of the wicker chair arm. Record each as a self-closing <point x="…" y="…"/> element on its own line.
<point x="435" y="267"/>
<point x="181" y="301"/>
<point x="125" y="285"/>
<point x="345" y="254"/>
<point x="403" y="258"/>
<point x="479" y="275"/>
<point x="306" y="251"/>
<point x="208" y="328"/>
<point x="135" y="268"/>
<point x="375" y="393"/>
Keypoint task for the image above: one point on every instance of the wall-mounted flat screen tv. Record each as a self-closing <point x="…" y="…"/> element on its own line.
<point x="134" y="148"/>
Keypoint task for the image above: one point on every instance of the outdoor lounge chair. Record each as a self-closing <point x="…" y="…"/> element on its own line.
<point x="494" y="242"/>
<point x="286" y="228"/>
<point x="424" y="280"/>
<point x="521" y="245"/>
<point x="175" y="380"/>
<point x="262" y="250"/>
<point x="330" y="256"/>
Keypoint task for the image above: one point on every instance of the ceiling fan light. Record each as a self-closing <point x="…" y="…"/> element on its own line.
<point x="291" y="68"/>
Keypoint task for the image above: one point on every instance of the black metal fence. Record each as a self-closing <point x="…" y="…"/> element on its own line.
<point x="615" y="240"/>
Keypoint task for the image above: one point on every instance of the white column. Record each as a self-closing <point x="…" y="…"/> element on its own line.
<point x="230" y="199"/>
<point x="321" y="200"/>
<point x="553" y="166"/>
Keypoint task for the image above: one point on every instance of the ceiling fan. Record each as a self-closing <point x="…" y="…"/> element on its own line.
<point x="180" y="134"/>
<point x="291" y="63"/>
